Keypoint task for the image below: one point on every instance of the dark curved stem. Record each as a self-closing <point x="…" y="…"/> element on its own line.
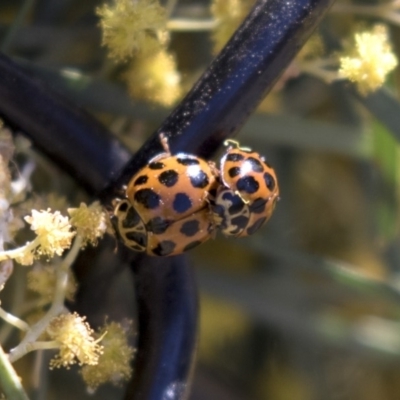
<point x="64" y="132"/>
<point x="236" y="81"/>
<point x="168" y="329"/>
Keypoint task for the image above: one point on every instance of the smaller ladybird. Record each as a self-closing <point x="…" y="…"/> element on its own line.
<point x="248" y="192"/>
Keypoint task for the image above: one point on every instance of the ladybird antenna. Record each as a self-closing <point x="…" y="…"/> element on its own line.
<point x="231" y="143"/>
<point x="235" y="144"/>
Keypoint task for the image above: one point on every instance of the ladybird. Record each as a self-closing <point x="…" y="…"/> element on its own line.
<point x="248" y="192"/>
<point x="167" y="205"/>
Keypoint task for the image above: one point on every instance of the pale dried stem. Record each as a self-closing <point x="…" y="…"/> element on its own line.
<point x="318" y="68"/>
<point x="57" y="306"/>
<point x="191" y="25"/>
<point x="13" y="320"/>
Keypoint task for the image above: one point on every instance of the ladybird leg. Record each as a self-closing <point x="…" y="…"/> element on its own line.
<point x="213" y="231"/>
<point x="215" y="221"/>
<point x="214" y="169"/>
<point x="164" y="143"/>
<point x="235" y="144"/>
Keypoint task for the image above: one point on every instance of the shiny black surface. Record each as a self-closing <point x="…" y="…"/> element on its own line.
<point x="236" y="81"/>
<point x="63" y="131"/>
<point x="168" y="331"/>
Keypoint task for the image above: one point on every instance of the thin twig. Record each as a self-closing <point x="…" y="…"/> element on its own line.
<point x="186" y="24"/>
<point x="13" y="320"/>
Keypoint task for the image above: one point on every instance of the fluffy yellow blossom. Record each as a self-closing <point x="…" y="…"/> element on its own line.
<point x="42" y="280"/>
<point x="53" y="232"/>
<point x="229" y="14"/>
<point x="370" y="61"/>
<point x="155" y="78"/>
<point x="133" y="27"/>
<point x="90" y="222"/>
<point x="54" y="235"/>
<point x="115" y="362"/>
<point x="77" y="344"/>
<point x="25" y="257"/>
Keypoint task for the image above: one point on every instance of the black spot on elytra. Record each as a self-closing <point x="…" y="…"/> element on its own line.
<point x="187" y="161"/>
<point x="219" y="210"/>
<point x="258" y="205"/>
<point x="235" y="201"/>
<point x="234" y="171"/>
<point x="229" y="196"/>
<point x="131" y="219"/>
<point x="269" y="181"/>
<point x="141" y="180"/>
<point x="191" y="245"/>
<point x="168" y="178"/>
<point x="148" y="198"/>
<point x="247" y="184"/>
<point x="137" y="237"/>
<point x="157" y="225"/>
<point x="123" y="207"/>
<point x="256" y="165"/>
<point x="190" y="228"/>
<point x="199" y="180"/>
<point x="240" y="222"/>
<point x="256" y="226"/>
<point x="181" y="203"/>
<point x="164" y="248"/>
<point x="156" y="165"/>
<point x="234" y="157"/>
<point x="236" y="207"/>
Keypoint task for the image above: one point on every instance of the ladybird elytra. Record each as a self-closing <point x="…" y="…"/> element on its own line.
<point x="181" y="235"/>
<point x="175" y="190"/>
